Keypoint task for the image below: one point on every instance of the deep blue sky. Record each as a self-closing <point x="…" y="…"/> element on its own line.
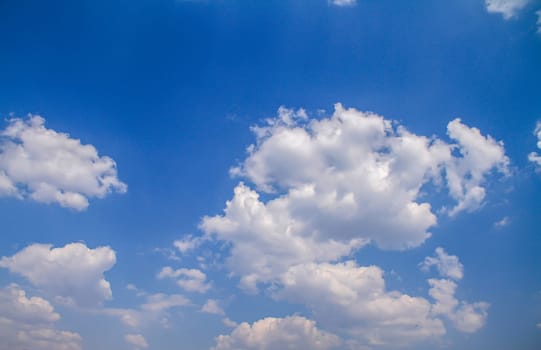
<point x="169" y="90"/>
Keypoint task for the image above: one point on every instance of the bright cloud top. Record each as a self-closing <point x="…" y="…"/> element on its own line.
<point x="51" y="167"/>
<point x="28" y="323"/>
<point x="73" y="274"/>
<point x="293" y="332"/>
<point x="336" y="184"/>
<point x="507" y="8"/>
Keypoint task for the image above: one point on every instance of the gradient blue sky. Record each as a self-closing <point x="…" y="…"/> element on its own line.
<point x="170" y="90"/>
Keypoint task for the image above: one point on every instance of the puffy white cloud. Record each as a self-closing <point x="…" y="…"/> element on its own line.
<point x="466" y="317"/>
<point x="191" y="280"/>
<point x="28" y="323"/>
<point x="447" y="265"/>
<point x="343" y="3"/>
<point x="212" y="307"/>
<point x="51" y="167"/>
<point x="73" y="273"/>
<point x="136" y="340"/>
<point x="533" y="156"/>
<point x="293" y="332"/>
<point x="338" y="183"/>
<point x="507" y="8"/>
<point x="354" y="300"/>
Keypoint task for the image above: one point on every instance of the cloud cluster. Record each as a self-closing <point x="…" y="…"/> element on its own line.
<point x="136" y="340"/>
<point x="28" y="323"/>
<point x="51" y="167"/>
<point x="72" y="274"/>
<point x="293" y="332"/>
<point x="447" y="265"/>
<point x="338" y="183"/>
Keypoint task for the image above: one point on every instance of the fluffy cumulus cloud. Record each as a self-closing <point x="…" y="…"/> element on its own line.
<point x="51" y="167"/>
<point x="353" y="300"/>
<point x="534" y="157"/>
<point x="447" y="265"/>
<point x="293" y="332"/>
<point x="343" y="3"/>
<point x="136" y="340"/>
<point x="465" y="317"/>
<point x="191" y="280"/>
<point x="72" y="274"/>
<point x="212" y="307"/>
<point x="28" y="323"/>
<point x="336" y="184"/>
<point x="507" y="8"/>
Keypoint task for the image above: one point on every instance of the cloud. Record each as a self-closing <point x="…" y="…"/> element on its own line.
<point x="51" y="167"/>
<point x="28" y="323"/>
<point x="212" y="307"/>
<point x="343" y="3"/>
<point x="538" y="13"/>
<point x="447" y="265"/>
<point x="353" y="299"/>
<point x="187" y="244"/>
<point x="507" y="8"/>
<point x="136" y="340"/>
<point x="533" y="156"/>
<point x="505" y="221"/>
<point x="335" y="184"/>
<point x="293" y="332"/>
<point x="466" y="317"/>
<point x="191" y="280"/>
<point x="73" y="273"/>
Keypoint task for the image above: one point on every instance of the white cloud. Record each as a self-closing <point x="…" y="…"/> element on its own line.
<point x="507" y="8"/>
<point x="191" y="280"/>
<point x="293" y="332"/>
<point x="505" y="221"/>
<point x="73" y="273"/>
<point x="160" y="302"/>
<point x="212" y="307"/>
<point x="343" y="3"/>
<point x="229" y="323"/>
<point x="466" y="317"/>
<point x="338" y="183"/>
<point x="447" y="265"/>
<point x="187" y="244"/>
<point x="51" y="167"/>
<point x="136" y="340"/>
<point x="28" y="323"/>
<point x="354" y="300"/>
<point x="533" y="156"/>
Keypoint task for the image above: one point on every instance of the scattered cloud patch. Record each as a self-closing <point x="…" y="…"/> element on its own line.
<point x="191" y="280"/>
<point x="28" y="323"/>
<point x="187" y="244"/>
<point x="136" y="340"/>
<point x="447" y="265"/>
<point x="504" y="222"/>
<point x="534" y="157"/>
<point x="538" y="13"/>
<point x="212" y="307"/>
<point x="293" y="332"/>
<point x="466" y="317"/>
<point x="343" y="3"/>
<point x="51" y="167"/>
<point x="507" y="8"/>
<point x="73" y="273"/>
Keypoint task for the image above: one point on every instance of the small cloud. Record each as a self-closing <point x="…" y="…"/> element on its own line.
<point x="136" y="340"/>
<point x="212" y="307"/>
<point x="447" y="265"/>
<point x="343" y="3"/>
<point x="232" y="324"/>
<point x="502" y="223"/>
<point x="507" y="8"/>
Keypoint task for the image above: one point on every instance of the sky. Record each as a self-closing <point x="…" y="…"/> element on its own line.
<point x="282" y="174"/>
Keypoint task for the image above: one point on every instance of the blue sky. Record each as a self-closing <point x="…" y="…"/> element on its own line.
<point x="227" y="174"/>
